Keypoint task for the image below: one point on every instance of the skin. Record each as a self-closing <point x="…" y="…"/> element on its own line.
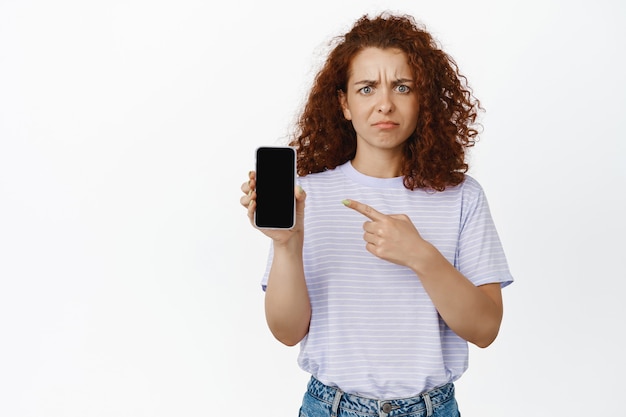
<point x="381" y="102"/>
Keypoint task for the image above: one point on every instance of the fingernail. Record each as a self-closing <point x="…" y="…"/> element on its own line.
<point x="345" y="202"/>
<point x="300" y="190"/>
<point x="250" y="192"/>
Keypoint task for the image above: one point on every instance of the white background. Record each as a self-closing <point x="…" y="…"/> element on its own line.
<point x="129" y="274"/>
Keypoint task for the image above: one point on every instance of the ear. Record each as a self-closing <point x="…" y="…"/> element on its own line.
<point x="343" y="101"/>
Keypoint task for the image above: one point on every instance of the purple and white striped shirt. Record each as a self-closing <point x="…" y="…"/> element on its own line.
<point x="374" y="331"/>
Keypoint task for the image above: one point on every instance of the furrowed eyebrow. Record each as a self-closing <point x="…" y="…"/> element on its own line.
<point x="366" y="82"/>
<point x="372" y="82"/>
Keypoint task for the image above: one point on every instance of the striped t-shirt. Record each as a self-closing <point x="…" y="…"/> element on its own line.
<point x="374" y="331"/>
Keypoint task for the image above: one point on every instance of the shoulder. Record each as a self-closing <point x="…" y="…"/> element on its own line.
<point x="469" y="194"/>
<point x="330" y="175"/>
<point x="467" y="190"/>
<point x="470" y="188"/>
<point x="471" y="184"/>
<point x="473" y="199"/>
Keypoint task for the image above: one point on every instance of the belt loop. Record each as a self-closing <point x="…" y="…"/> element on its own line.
<point x="338" y="395"/>
<point x="429" y="404"/>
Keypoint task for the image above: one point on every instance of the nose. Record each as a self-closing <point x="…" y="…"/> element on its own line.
<point x="385" y="105"/>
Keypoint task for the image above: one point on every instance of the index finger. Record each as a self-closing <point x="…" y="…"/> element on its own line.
<point x="364" y="209"/>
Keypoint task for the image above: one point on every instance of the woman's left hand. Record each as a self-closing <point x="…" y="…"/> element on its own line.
<point x="392" y="237"/>
<point x="473" y="313"/>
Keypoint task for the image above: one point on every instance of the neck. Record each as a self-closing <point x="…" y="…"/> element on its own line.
<point x="378" y="166"/>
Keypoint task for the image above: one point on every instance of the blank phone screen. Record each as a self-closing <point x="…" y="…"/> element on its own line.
<point x="275" y="182"/>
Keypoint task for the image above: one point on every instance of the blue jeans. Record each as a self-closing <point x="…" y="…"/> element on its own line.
<point x="323" y="401"/>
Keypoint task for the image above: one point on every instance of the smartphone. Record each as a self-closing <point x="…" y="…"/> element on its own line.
<point x="275" y="187"/>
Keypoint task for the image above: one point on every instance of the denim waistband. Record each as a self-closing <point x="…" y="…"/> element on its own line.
<point x="395" y="407"/>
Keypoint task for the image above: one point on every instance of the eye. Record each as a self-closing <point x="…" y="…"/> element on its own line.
<point x="366" y="90"/>
<point x="403" y="89"/>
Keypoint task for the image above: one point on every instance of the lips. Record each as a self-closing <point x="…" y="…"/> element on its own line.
<point x="386" y="124"/>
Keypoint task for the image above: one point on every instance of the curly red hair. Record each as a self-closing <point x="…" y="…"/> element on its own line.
<point x="434" y="155"/>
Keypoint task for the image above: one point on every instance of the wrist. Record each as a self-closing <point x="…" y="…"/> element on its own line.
<point x="427" y="259"/>
<point x="292" y="245"/>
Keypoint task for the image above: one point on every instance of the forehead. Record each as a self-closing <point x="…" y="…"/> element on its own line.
<point x="372" y="61"/>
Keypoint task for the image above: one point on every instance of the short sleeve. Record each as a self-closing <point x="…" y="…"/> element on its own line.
<point x="266" y="275"/>
<point x="480" y="256"/>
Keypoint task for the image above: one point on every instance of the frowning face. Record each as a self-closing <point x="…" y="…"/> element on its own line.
<point x="380" y="99"/>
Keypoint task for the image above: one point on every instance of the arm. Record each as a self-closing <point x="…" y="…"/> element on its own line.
<point x="287" y="306"/>
<point x="474" y="313"/>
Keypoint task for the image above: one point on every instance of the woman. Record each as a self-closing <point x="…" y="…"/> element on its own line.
<point x="384" y="291"/>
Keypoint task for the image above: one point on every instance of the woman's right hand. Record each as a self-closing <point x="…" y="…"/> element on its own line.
<point x="287" y="305"/>
<point x="278" y="236"/>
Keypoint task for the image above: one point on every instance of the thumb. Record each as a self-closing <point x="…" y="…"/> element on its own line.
<point x="300" y="197"/>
